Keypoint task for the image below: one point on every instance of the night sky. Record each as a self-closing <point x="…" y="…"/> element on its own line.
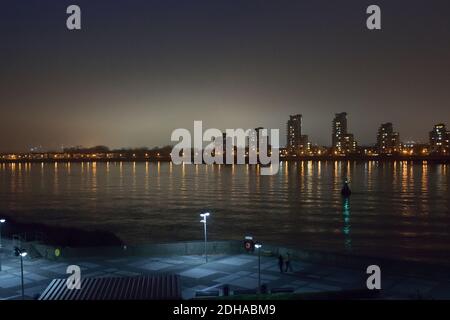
<point x="139" y="69"/>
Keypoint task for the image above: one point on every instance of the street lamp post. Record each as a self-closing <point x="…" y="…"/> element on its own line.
<point x="21" y="253"/>
<point x="258" y="246"/>
<point x="204" y="216"/>
<point x="2" y="221"/>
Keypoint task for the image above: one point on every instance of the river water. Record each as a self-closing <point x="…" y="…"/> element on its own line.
<point x="397" y="209"/>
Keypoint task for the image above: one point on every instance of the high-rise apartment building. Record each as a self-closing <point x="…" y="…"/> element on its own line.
<point x="388" y="141"/>
<point x="341" y="140"/>
<point x="294" y="132"/>
<point x="439" y="139"/>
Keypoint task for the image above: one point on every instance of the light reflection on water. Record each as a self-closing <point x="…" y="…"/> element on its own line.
<point x="347" y="227"/>
<point x="397" y="209"/>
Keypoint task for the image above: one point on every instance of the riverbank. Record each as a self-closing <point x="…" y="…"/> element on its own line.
<point x="361" y="158"/>
<point x="236" y="247"/>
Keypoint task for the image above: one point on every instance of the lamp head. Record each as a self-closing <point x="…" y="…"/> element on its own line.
<point x="258" y="245"/>
<point x="203" y="215"/>
<point x="20" y="252"/>
<point x="2" y="220"/>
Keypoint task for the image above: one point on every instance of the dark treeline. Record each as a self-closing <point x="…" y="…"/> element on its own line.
<point x="105" y="149"/>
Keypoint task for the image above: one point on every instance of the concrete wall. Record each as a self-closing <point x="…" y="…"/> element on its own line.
<point x="163" y="249"/>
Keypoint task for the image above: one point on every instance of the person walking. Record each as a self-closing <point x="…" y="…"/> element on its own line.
<point x="288" y="263"/>
<point x="281" y="262"/>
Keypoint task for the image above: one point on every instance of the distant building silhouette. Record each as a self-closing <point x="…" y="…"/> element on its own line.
<point x="348" y="143"/>
<point x="341" y="140"/>
<point x="339" y="129"/>
<point x="388" y="141"/>
<point x="294" y="132"/>
<point x="439" y="139"/>
<point x="296" y="142"/>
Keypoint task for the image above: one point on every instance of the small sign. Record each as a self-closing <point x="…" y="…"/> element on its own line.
<point x="249" y="245"/>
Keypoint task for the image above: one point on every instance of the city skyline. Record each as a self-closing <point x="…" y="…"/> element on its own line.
<point x="240" y="65"/>
<point x="303" y="139"/>
<point x="388" y="141"/>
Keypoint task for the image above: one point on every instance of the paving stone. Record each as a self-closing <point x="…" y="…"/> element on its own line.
<point x="32" y="291"/>
<point x="323" y="287"/>
<point x="246" y="283"/>
<point x="227" y="279"/>
<point x="235" y="261"/>
<point x="307" y="290"/>
<point x="127" y="273"/>
<point x="189" y="293"/>
<point x="88" y="265"/>
<point x="14" y="282"/>
<point x="154" y="266"/>
<point x="172" y="261"/>
<point x="197" y="273"/>
<point x="55" y="265"/>
<point x="5" y="268"/>
<point x="35" y="277"/>
<point x="264" y="276"/>
<point x="5" y="276"/>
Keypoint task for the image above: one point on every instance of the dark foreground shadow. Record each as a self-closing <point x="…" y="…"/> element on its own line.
<point x="58" y="235"/>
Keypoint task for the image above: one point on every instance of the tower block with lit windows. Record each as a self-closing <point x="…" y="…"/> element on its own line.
<point x="388" y="141"/>
<point x="440" y="140"/>
<point x="297" y="143"/>
<point x="342" y="142"/>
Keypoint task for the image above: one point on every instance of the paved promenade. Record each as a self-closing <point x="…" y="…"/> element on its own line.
<point x="238" y="271"/>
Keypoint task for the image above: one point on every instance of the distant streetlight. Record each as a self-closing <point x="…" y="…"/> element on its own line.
<point x="204" y="216"/>
<point x="258" y="246"/>
<point x="2" y="221"/>
<point x="21" y="253"/>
